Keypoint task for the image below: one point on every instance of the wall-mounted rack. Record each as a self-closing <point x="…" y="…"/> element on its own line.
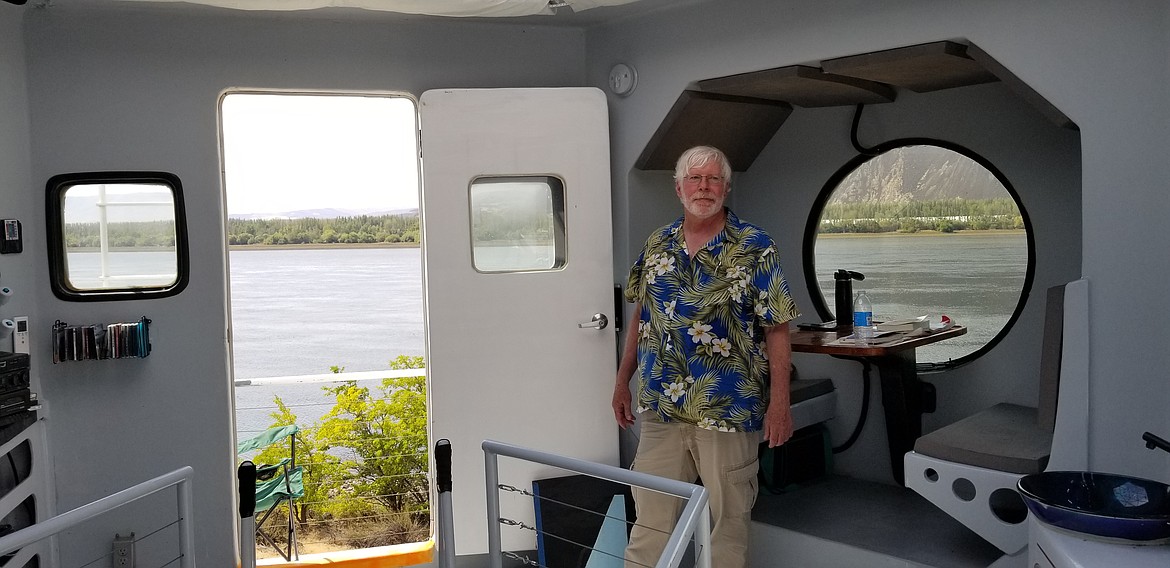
<point x="101" y="341"/>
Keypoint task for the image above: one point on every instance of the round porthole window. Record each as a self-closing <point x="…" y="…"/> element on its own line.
<point x="935" y="230"/>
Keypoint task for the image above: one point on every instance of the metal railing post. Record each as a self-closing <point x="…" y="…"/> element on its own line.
<point x="445" y="533"/>
<point x="492" y="476"/>
<point x="246" y="486"/>
<point x="703" y="537"/>
<point x="186" y="524"/>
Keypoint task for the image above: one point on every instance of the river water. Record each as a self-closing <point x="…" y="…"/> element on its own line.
<point x="974" y="278"/>
<point x="301" y="311"/>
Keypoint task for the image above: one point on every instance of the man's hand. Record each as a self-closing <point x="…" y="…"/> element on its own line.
<point x="778" y="418"/>
<point x="621" y="404"/>
<point x="777" y="425"/>
<point x="621" y="390"/>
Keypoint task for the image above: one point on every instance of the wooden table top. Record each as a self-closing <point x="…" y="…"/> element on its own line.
<point x="808" y="341"/>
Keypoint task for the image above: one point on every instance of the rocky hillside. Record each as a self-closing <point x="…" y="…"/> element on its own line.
<point x="918" y="173"/>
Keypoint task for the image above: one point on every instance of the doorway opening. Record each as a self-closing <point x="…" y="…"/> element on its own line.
<point x="326" y="310"/>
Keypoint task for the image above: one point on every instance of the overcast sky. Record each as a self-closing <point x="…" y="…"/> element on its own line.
<point x="296" y="152"/>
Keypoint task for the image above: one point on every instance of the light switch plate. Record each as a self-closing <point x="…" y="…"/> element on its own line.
<point x="20" y="335"/>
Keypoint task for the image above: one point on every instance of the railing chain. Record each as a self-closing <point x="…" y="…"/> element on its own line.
<point x="518" y="524"/>
<point x="525" y="560"/>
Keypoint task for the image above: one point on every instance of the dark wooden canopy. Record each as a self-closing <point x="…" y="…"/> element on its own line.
<point x="741" y="113"/>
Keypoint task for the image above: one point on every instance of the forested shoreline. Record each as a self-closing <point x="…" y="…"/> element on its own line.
<point x="946" y="216"/>
<point x="362" y="229"/>
<point x="942" y="215"/>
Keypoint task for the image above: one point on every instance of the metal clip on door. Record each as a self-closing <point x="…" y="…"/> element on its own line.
<point x="599" y="321"/>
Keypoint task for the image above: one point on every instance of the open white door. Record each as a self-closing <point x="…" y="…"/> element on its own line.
<point x="517" y="253"/>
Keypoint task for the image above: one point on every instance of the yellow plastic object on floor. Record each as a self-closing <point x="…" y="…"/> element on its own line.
<point x="410" y="554"/>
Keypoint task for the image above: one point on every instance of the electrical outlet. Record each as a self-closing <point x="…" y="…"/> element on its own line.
<point x="123" y="551"/>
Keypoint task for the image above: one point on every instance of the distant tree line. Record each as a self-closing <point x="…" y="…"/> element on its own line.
<point x="138" y="234"/>
<point x="500" y="226"/>
<point x="946" y="215"/>
<point x="340" y="230"/>
<point x="343" y="230"/>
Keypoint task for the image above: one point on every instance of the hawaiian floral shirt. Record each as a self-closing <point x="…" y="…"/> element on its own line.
<point x="701" y="353"/>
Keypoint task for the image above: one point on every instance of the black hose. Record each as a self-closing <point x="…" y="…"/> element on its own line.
<point x="864" y="410"/>
<point x="853" y="134"/>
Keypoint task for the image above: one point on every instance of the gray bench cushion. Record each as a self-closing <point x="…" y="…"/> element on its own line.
<point x="800" y="390"/>
<point x="1004" y="437"/>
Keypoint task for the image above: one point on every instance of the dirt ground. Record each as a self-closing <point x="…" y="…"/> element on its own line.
<point x="306" y="545"/>
<point x="314" y="540"/>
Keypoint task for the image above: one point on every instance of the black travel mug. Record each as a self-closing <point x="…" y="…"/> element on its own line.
<point x="843" y="295"/>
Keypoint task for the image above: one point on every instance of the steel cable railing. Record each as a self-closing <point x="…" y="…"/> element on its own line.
<point x="180" y="479"/>
<point x="694" y="520"/>
<point x="583" y="547"/>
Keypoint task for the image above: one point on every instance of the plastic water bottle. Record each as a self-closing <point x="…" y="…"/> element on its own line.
<point x="862" y="319"/>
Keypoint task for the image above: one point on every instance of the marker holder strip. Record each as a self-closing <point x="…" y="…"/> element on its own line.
<point x="101" y="341"/>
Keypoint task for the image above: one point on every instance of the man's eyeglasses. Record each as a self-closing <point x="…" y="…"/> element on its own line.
<point x="711" y="180"/>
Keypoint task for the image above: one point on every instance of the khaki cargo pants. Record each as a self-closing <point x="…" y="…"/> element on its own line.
<point x="725" y="461"/>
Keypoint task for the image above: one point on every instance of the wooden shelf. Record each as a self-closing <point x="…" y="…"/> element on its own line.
<point x="802" y="86"/>
<point x="920" y="68"/>
<point x="740" y="126"/>
<point x="1021" y="89"/>
<point x="740" y="113"/>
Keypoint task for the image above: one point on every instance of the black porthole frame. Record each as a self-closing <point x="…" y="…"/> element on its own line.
<point x="808" y="255"/>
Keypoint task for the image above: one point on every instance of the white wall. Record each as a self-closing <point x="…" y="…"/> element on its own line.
<point x="16" y="199"/>
<point x="19" y="200"/>
<point x="1105" y="66"/>
<point x="138" y="89"/>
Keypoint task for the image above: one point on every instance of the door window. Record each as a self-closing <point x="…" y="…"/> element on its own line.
<point x="517" y="224"/>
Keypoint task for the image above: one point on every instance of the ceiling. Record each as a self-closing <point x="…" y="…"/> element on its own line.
<point x="346" y="9"/>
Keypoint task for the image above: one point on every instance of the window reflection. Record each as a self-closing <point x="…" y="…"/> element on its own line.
<point x="517" y="224"/>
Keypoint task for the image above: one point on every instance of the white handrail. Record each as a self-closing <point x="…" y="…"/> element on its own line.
<point x="50" y="527"/>
<point x="694" y="520"/>
<point x="334" y="377"/>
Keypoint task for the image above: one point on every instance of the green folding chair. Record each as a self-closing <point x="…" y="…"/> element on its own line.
<point x="276" y="484"/>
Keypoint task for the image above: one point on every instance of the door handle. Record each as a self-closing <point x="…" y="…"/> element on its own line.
<point x="599" y="321"/>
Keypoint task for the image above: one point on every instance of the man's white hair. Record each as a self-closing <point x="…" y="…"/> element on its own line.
<point x="700" y="156"/>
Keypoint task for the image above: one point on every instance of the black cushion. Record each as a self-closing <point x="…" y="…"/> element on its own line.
<point x="803" y="389"/>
